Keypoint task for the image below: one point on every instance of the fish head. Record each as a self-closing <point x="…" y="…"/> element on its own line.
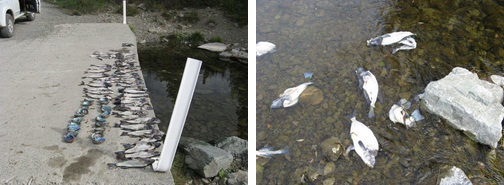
<point x="374" y="41"/>
<point x="278" y="103"/>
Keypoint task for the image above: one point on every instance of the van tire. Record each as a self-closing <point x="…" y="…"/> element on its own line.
<point x="8" y="31"/>
<point x="30" y="16"/>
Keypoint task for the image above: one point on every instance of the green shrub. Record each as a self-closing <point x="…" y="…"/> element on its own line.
<point x="216" y="39"/>
<point x="196" y="38"/>
<point x="131" y="10"/>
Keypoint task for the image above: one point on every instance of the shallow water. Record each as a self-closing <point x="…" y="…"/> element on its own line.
<point x="219" y="105"/>
<point x="329" y="39"/>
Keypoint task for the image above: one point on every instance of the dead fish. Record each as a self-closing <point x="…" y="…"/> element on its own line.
<point x="398" y="114"/>
<point x="121" y="155"/>
<point x="96" y="71"/>
<point x="364" y="142"/>
<point x="135" y="95"/>
<point x="154" y="138"/>
<point x="268" y="152"/>
<point x="137" y="133"/>
<point x="290" y="96"/>
<point x="96" y="75"/>
<point x="264" y="47"/>
<point x="134" y="91"/>
<point x="149" y="120"/>
<point x="133" y="163"/>
<point x="141" y="146"/>
<point x="402" y="37"/>
<point x="134" y="127"/>
<point x="129" y="113"/>
<point x="96" y="96"/>
<point x="369" y="85"/>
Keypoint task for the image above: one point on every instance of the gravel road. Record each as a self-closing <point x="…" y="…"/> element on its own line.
<point x="147" y="26"/>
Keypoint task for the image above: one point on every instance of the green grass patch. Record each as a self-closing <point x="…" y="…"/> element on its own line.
<point x="216" y="39"/>
<point x="194" y="39"/>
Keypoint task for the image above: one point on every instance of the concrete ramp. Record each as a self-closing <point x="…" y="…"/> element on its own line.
<point x="39" y="93"/>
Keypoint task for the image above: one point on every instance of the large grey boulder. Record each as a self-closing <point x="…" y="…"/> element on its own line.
<point x="452" y="176"/>
<point x="205" y="159"/>
<point x="234" y="145"/>
<point x="468" y="104"/>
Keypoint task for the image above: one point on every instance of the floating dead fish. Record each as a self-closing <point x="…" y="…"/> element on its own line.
<point x="369" y="85"/>
<point x="404" y="38"/>
<point x="364" y="142"/>
<point x="264" y="47"/>
<point x="268" y="152"/>
<point x="398" y="114"/>
<point x="290" y="96"/>
<point x="133" y="163"/>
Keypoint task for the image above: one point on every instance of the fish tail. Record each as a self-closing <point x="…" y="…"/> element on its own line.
<point x="371" y="112"/>
<point x="111" y="165"/>
<point x="285" y="150"/>
<point x="417" y="116"/>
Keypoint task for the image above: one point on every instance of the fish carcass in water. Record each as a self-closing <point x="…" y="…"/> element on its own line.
<point x="134" y="163"/>
<point x="398" y="114"/>
<point x="267" y="152"/>
<point x="264" y="47"/>
<point x="290" y="96"/>
<point x="364" y="142"/>
<point x="404" y="38"/>
<point x="369" y="85"/>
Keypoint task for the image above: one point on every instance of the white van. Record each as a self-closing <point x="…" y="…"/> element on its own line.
<point x="10" y="10"/>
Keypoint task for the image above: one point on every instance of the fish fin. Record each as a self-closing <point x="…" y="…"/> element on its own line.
<point x="349" y="149"/>
<point x="371" y="113"/>
<point x="417" y="116"/>
<point x="353" y="115"/>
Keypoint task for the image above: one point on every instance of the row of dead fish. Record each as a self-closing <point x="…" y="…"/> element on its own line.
<point x="130" y="105"/>
<point x="364" y="142"/>
<point x="403" y="40"/>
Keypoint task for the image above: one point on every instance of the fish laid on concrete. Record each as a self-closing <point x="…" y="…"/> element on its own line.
<point x="133" y="163"/>
<point x="148" y="120"/>
<point x="268" y="152"/>
<point x="142" y="146"/>
<point x="369" y="85"/>
<point x="121" y="155"/>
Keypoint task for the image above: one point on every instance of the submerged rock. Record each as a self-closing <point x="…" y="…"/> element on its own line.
<point x="332" y="148"/>
<point x="205" y="159"/>
<point x="453" y="175"/>
<point x="468" y="104"/>
<point x="311" y="95"/>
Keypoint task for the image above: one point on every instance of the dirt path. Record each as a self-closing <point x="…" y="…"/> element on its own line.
<point x="147" y="26"/>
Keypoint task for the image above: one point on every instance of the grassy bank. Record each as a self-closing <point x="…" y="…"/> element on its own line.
<point x="236" y="10"/>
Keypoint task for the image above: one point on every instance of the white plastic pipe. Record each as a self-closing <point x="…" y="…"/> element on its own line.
<point x="184" y="97"/>
<point x="124" y="11"/>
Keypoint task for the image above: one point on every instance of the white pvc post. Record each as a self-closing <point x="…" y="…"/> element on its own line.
<point x="184" y="97"/>
<point x="124" y="11"/>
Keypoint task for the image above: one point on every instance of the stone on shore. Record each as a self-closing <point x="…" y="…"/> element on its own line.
<point x="237" y="178"/>
<point x="468" y="104"/>
<point x="205" y="159"/>
<point x="234" y="145"/>
<point x="214" y="46"/>
<point x="453" y="175"/>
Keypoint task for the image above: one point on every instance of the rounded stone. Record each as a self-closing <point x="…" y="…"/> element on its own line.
<point x="311" y="96"/>
<point x="332" y="148"/>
